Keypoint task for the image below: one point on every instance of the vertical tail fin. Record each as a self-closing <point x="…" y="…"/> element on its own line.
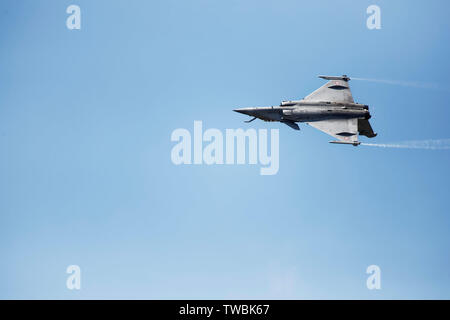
<point x="365" y="129"/>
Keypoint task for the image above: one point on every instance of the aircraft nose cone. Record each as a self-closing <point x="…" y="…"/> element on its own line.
<point x="247" y="111"/>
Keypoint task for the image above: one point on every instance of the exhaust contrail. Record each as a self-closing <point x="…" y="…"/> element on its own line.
<point x="413" y="84"/>
<point x="431" y="144"/>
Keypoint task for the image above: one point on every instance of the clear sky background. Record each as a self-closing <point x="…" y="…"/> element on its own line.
<point x="86" y="176"/>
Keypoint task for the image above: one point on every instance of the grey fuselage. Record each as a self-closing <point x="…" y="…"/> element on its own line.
<point x="303" y="111"/>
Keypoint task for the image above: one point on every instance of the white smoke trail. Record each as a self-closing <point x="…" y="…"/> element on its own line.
<point x="413" y="84"/>
<point x="431" y="144"/>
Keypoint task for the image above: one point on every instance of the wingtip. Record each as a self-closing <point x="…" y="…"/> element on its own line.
<point x="354" y="143"/>
<point x="343" y="77"/>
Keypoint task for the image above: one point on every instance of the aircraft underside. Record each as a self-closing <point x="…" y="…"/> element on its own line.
<point x="330" y="109"/>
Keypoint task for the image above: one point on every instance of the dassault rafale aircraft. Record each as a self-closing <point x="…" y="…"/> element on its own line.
<point x="330" y="109"/>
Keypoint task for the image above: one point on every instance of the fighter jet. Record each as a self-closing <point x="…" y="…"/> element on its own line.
<point x="330" y="109"/>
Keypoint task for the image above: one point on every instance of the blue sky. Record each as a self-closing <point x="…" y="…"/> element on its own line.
<point x="86" y="176"/>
